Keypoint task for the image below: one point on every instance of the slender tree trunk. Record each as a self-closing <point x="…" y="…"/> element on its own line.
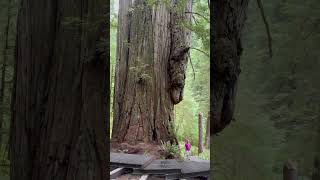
<point x="3" y="70"/>
<point x="228" y="21"/>
<point x="200" y="142"/>
<point x="150" y="70"/>
<point x="59" y="129"/>
<point x="290" y="171"/>
<point x="207" y="140"/>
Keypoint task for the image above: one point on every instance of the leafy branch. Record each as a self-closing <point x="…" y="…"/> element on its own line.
<point x="187" y="12"/>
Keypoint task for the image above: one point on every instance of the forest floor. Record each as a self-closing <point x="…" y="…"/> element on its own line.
<point x="140" y="148"/>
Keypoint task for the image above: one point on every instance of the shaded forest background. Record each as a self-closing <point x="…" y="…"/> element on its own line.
<point x="278" y="100"/>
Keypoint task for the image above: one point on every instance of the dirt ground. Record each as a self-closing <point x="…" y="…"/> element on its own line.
<point x="140" y="148"/>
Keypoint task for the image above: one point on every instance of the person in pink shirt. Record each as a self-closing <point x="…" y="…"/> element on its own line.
<point x="188" y="148"/>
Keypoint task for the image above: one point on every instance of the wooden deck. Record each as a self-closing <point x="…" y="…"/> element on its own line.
<point x="147" y="166"/>
<point x="130" y="160"/>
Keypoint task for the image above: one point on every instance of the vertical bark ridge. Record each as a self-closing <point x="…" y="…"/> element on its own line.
<point x="59" y="99"/>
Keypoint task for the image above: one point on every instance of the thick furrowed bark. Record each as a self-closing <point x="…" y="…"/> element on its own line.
<point x="228" y="21"/>
<point x="59" y="128"/>
<point x="145" y="75"/>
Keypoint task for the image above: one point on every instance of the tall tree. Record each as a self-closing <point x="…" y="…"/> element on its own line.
<point x="59" y="109"/>
<point x="200" y="142"/>
<point x="150" y="69"/>
<point x="228" y="21"/>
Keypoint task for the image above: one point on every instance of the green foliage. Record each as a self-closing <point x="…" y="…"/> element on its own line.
<point x="171" y="150"/>
<point x="140" y="70"/>
<point x="4" y="163"/>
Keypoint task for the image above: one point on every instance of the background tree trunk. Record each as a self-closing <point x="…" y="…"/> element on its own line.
<point x="3" y="70"/>
<point x="200" y="142"/>
<point x="150" y="71"/>
<point x="207" y="140"/>
<point x="59" y="129"/>
<point x="290" y="171"/>
<point x="228" y="21"/>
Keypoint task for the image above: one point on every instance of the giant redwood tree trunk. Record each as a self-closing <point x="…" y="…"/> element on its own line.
<point x="228" y="21"/>
<point x="150" y="69"/>
<point x="59" y="129"/>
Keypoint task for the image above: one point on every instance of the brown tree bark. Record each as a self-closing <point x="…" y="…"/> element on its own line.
<point x="59" y="129"/>
<point x="228" y="22"/>
<point x="150" y="70"/>
<point x="207" y="140"/>
<point x="290" y="171"/>
<point x="200" y="138"/>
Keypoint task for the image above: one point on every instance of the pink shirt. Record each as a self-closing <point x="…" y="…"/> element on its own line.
<point x="188" y="146"/>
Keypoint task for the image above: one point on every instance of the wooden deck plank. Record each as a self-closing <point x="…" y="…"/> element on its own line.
<point x="144" y="177"/>
<point x="130" y="160"/>
<point x="193" y="169"/>
<point x="116" y="173"/>
<point x="146" y="165"/>
<point x="195" y="159"/>
<point x="161" y="167"/>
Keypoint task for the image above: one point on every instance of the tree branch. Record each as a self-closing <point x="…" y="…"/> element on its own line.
<point x="267" y="26"/>
<point x="194" y="19"/>
<point x="198" y="15"/>
<point x="307" y="36"/>
<point x="201" y="51"/>
<point x="194" y="74"/>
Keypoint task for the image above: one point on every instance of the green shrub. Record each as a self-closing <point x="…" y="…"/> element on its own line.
<point x="171" y="150"/>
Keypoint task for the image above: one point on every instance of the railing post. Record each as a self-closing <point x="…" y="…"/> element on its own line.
<point x="290" y="170"/>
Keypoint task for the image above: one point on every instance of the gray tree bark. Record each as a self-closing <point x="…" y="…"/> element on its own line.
<point x="59" y="129"/>
<point x="150" y="70"/>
